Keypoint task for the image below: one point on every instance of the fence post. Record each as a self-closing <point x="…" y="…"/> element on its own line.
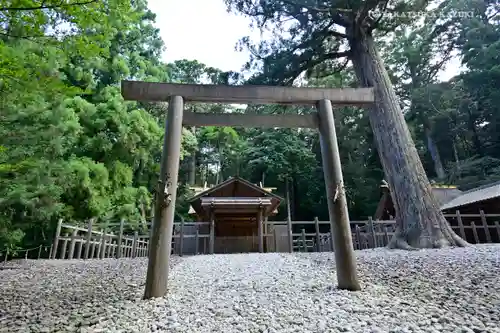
<point x="358" y="237"/>
<point x="474" y="232"/>
<point x="128" y="251"/>
<point x="290" y="234"/>
<point x="485" y="226"/>
<point x="124" y="248"/>
<point x="197" y="242"/>
<point x="79" y="248"/>
<point x="109" y="246"/>
<point x="65" y="246"/>
<point x="50" y="251"/>
<point x="460" y="224"/>
<point x="39" y="251"/>
<point x="94" y="252"/>
<point x="102" y="253"/>
<point x="332" y="246"/>
<point x="89" y="239"/>
<point x="26" y="254"/>
<point x="181" y="237"/>
<point x="318" y="237"/>
<point x="497" y="226"/>
<point x="372" y="231"/>
<point x="266" y="234"/>
<point x="275" y="236"/>
<point x="386" y="234"/>
<point x="134" y="244"/>
<point x="99" y="244"/>
<point x="304" y="244"/>
<point x="212" y="234"/>
<point x="260" y="231"/>
<point x="56" y="239"/>
<point x="72" y="244"/>
<point x="120" y="240"/>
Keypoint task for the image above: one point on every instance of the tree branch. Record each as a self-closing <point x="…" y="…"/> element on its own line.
<point x="337" y="34"/>
<point x="61" y="5"/>
<point x="334" y="13"/>
<point x="375" y="23"/>
<point x="362" y="15"/>
<point x="308" y="63"/>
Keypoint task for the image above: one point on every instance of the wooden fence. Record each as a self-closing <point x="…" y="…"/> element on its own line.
<point x="476" y="228"/>
<point x="73" y="242"/>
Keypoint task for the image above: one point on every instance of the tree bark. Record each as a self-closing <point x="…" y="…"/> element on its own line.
<point x="420" y="222"/>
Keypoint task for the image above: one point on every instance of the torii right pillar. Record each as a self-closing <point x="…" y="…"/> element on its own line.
<point x="337" y="204"/>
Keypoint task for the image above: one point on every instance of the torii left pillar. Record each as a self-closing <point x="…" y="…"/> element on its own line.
<point x="160" y="244"/>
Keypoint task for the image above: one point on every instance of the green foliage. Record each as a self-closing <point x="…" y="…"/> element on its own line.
<point x="72" y="148"/>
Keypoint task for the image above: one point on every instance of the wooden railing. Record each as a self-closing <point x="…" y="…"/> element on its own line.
<point x="486" y="231"/>
<point x="94" y="241"/>
<point x="88" y="243"/>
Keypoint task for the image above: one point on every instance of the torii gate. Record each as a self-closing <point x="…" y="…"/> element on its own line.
<point x="161" y="238"/>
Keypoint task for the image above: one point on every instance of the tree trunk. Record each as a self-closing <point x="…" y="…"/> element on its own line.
<point x="288" y="208"/>
<point x="203" y="174"/>
<point x="192" y="169"/>
<point x="292" y="199"/>
<point x="471" y="123"/>
<point x="143" y="217"/>
<point x="218" y="176"/>
<point x="420" y="222"/>
<point x="192" y="163"/>
<point x="434" y="151"/>
<point x="457" y="159"/>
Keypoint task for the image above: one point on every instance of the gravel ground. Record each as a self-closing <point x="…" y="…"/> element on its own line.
<point x="449" y="290"/>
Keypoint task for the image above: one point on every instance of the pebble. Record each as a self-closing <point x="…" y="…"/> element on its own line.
<point x="445" y="290"/>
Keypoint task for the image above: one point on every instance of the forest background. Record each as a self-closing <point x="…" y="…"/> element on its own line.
<point x="72" y="148"/>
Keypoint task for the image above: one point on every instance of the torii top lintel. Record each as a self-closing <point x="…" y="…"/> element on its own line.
<point x="248" y="94"/>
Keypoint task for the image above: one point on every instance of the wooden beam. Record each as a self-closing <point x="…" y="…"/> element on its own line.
<point x="251" y="120"/>
<point x="249" y="94"/>
<point x="345" y="259"/>
<point x="160" y="244"/>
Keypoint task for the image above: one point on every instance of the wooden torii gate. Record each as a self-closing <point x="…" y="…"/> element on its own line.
<point x="161" y="237"/>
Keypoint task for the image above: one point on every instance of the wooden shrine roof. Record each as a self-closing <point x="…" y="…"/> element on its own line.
<point x="478" y="194"/>
<point x="235" y="194"/>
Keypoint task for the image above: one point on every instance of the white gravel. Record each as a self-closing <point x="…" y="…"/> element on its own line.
<point x="450" y="290"/>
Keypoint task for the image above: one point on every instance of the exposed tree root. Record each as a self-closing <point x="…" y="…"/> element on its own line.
<point x="401" y="244"/>
<point x="417" y="239"/>
<point x="460" y="242"/>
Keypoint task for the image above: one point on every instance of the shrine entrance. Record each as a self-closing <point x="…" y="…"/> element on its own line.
<point x="237" y="211"/>
<point x="177" y="94"/>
